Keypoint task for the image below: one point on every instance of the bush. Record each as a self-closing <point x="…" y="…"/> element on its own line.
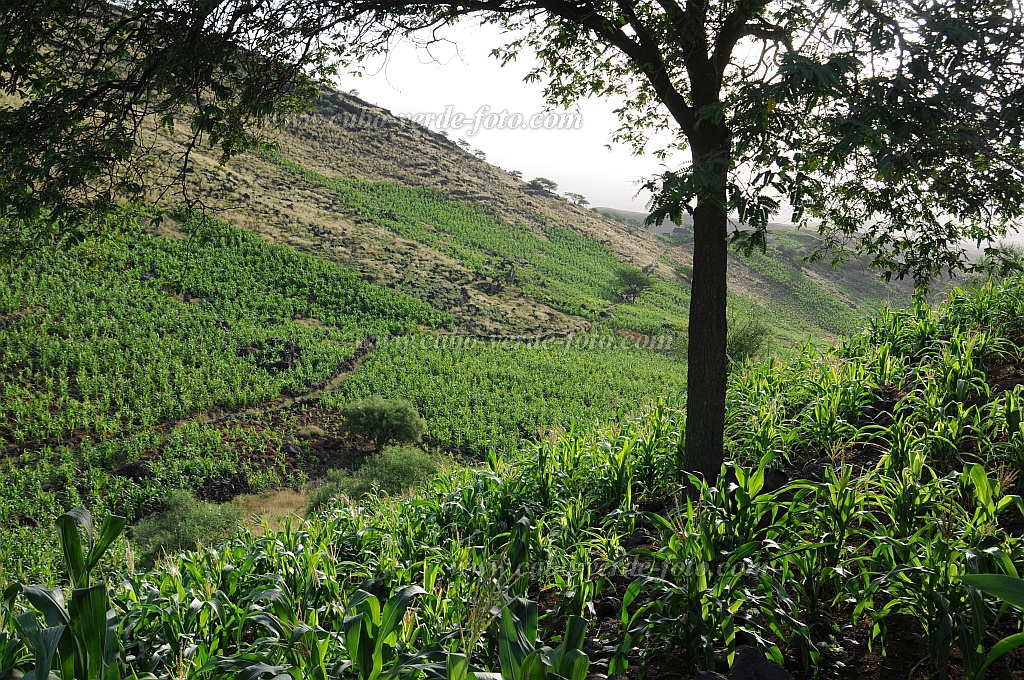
<point x="632" y="282"/>
<point x="182" y="524"/>
<point x="384" y="420"/>
<point x="746" y="338"/>
<point x="393" y="471"/>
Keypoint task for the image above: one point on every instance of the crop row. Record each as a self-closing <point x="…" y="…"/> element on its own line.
<point x="122" y="336"/>
<point x="129" y="476"/>
<point x="887" y="516"/>
<point x="569" y="271"/>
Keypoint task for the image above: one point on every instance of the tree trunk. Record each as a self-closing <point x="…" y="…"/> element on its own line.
<point x="706" y="361"/>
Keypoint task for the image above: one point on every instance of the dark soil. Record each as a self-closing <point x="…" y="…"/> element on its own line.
<point x="14" y="317"/>
<point x="136" y="470"/>
<point x="273" y="355"/>
<point x="1005" y="376"/>
<point x="224" y="489"/>
<point x="329" y="446"/>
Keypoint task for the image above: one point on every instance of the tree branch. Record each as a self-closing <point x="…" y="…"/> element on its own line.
<point x="743" y="21"/>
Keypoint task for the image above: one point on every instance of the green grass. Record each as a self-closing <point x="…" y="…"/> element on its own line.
<point x="394" y="470"/>
<point x="183" y="523"/>
<point x="579" y="275"/>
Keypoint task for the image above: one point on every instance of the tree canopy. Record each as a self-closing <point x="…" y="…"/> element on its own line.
<point x="891" y="126"/>
<point x="87" y="83"/>
<point x="543" y="184"/>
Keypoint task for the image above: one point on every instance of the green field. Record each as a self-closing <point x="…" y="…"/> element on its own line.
<point x="108" y="353"/>
<point x="477" y="395"/>
<point x="115" y="357"/>
<point x="570" y="272"/>
<point x="405" y="418"/>
<point x="122" y="336"/>
<point x="904" y="448"/>
<point x="790" y="292"/>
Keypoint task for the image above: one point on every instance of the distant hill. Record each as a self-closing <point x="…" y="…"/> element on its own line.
<point x="636" y="218"/>
<point x="666" y="226"/>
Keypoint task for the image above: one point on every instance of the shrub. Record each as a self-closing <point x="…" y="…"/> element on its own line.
<point x="632" y="282"/>
<point x="384" y="420"/>
<point x="393" y="471"/>
<point x="747" y="337"/>
<point x="182" y="524"/>
<point x="397" y="468"/>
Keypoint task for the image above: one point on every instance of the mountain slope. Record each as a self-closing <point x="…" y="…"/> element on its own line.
<point x="293" y="197"/>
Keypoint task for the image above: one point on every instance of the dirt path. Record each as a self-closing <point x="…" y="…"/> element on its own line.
<point x="11" y="318"/>
<point x="344" y="370"/>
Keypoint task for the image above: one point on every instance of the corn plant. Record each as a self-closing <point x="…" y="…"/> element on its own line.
<point x="13" y="653"/>
<point x="521" y="655"/>
<point x="711" y="593"/>
<point x="922" y="574"/>
<point x="1009" y="589"/>
<point x="1013" y="424"/>
<point x="372" y="636"/>
<point x="79" y="640"/>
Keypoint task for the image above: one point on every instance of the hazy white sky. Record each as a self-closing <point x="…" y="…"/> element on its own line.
<point x="462" y="75"/>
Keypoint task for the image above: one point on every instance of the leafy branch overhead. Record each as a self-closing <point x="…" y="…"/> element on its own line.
<point x="89" y="83"/>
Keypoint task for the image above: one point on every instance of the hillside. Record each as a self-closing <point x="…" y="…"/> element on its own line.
<point x="638" y="219"/>
<point x="215" y="356"/>
<point x="216" y="364"/>
<point x="294" y="198"/>
<point x="379" y="410"/>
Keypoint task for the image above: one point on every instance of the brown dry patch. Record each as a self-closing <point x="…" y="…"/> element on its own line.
<point x="639" y="338"/>
<point x="401" y="151"/>
<point x="311" y="323"/>
<point x="169" y="228"/>
<point x="270" y="509"/>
